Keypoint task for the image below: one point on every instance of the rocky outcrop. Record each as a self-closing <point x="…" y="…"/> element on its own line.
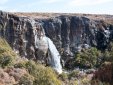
<point x="70" y="33"/>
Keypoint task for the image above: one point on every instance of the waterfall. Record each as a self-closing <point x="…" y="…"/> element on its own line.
<point x="44" y="43"/>
<point x="55" y="56"/>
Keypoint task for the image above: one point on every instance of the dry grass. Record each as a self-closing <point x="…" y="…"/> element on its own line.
<point x="48" y="15"/>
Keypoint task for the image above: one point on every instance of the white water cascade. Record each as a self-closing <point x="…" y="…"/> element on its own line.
<point x="55" y="56"/>
<point x="44" y="43"/>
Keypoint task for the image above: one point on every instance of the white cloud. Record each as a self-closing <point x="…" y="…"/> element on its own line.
<point x="87" y="2"/>
<point x="3" y="1"/>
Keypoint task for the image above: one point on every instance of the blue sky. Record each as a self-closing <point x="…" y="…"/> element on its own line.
<point x="62" y="6"/>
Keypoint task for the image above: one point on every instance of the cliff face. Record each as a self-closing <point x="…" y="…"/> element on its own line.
<point x="70" y="33"/>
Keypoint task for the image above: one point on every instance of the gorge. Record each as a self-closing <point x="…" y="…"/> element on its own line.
<point x="55" y="38"/>
<point x="70" y="33"/>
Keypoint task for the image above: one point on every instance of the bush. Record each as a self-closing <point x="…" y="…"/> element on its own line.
<point x="92" y="57"/>
<point x="85" y="81"/>
<point x="88" y="58"/>
<point x="21" y="64"/>
<point x="6" y="61"/>
<point x="26" y="80"/>
<point x="108" y="54"/>
<point x="74" y="74"/>
<point x="82" y="81"/>
<point x="7" y="56"/>
<point x="63" y="76"/>
<point x="98" y="82"/>
<point x="105" y="73"/>
<point x="43" y="75"/>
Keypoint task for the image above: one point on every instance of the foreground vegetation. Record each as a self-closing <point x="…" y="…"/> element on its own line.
<point x="21" y="71"/>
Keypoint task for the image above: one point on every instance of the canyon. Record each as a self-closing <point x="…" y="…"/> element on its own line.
<point x="70" y="33"/>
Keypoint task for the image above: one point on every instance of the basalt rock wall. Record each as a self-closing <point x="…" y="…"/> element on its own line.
<point x="70" y="33"/>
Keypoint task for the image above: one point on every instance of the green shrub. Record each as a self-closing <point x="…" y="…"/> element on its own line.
<point x="91" y="58"/>
<point x="63" y="76"/>
<point x="73" y="74"/>
<point x="26" y="80"/>
<point x="21" y="64"/>
<point x="43" y="75"/>
<point x="85" y="81"/>
<point x="7" y="56"/>
<point x="108" y="53"/>
<point x="88" y="58"/>
<point x="82" y="81"/>
<point x="6" y="61"/>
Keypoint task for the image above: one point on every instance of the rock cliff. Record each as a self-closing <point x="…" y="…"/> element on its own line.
<point x="69" y="32"/>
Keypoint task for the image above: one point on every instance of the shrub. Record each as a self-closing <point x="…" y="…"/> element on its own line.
<point x="63" y="76"/>
<point x="82" y="81"/>
<point x="98" y="82"/>
<point x="43" y="75"/>
<point x="7" y="56"/>
<point x="88" y="58"/>
<point x="6" y="61"/>
<point x="85" y="81"/>
<point x="108" y="53"/>
<point x="91" y="58"/>
<point x="74" y="74"/>
<point x="105" y="73"/>
<point x="20" y="64"/>
<point x="26" y="80"/>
